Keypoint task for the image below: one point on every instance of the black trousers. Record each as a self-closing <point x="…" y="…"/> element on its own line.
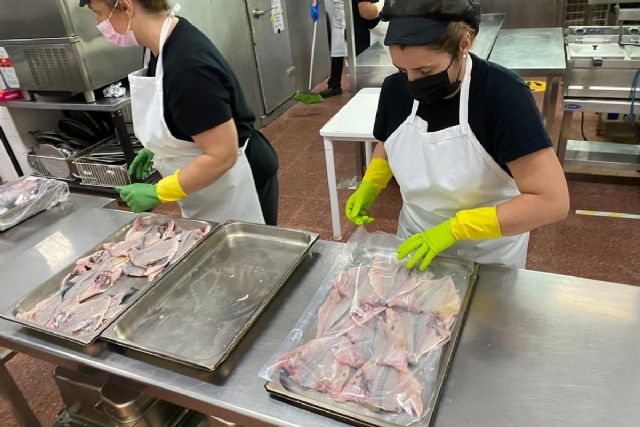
<point x="264" y="167"/>
<point x="363" y="40"/>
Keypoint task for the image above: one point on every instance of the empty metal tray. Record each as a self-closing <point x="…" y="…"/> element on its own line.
<point x="141" y="284"/>
<point x="200" y="311"/>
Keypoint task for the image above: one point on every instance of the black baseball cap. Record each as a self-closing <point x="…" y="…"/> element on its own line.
<point x="422" y="22"/>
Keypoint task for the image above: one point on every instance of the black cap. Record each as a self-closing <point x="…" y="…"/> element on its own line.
<point x="83" y="3"/>
<point x="422" y="22"/>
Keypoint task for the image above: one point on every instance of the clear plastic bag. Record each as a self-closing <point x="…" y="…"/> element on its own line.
<point x="21" y="199"/>
<point x="370" y="341"/>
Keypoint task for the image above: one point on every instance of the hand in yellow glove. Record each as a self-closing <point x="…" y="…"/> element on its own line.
<point x="374" y="181"/>
<point x="145" y="197"/>
<point x="360" y="202"/>
<point x="476" y="224"/>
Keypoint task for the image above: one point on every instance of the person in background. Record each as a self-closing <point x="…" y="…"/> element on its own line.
<point x="464" y="140"/>
<point x="191" y="115"/>
<point x="365" y="17"/>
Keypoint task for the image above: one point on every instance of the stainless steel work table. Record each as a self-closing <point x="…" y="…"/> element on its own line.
<point x="534" y="52"/>
<point x="541" y="349"/>
<point x="537" y="349"/>
<point x="29" y="233"/>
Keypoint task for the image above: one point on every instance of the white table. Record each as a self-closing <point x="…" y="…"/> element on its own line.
<point x="354" y="122"/>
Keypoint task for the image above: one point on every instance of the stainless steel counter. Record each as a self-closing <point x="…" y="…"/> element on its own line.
<point x="534" y="52"/>
<point x="546" y="350"/>
<point x="531" y="52"/>
<point x="537" y="349"/>
<point x="32" y="231"/>
<point x="374" y="64"/>
<point x="235" y="393"/>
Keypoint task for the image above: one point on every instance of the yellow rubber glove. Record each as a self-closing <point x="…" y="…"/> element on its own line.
<point x="475" y="224"/>
<point x="169" y="189"/>
<point x="374" y="181"/>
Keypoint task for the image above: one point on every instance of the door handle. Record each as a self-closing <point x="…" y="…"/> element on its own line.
<point x="257" y="13"/>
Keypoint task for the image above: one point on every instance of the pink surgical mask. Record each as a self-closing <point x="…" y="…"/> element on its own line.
<point x="127" y="39"/>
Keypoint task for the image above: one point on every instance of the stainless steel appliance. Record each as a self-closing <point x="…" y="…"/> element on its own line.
<point x="602" y="61"/>
<point x="56" y="47"/>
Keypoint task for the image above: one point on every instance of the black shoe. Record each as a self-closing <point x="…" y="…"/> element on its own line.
<point x="329" y="92"/>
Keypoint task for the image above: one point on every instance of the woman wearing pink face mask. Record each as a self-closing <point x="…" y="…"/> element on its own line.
<point x="191" y="115"/>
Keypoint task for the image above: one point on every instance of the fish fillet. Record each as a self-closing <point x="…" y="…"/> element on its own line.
<point x="314" y="365"/>
<point x="383" y="276"/>
<point x="430" y="296"/>
<point x="102" y="281"/>
<point x="334" y="310"/>
<point x="158" y="253"/>
<point x="419" y="333"/>
<point x="375" y="342"/>
<point x="122" y="248"/>
<point x="380" y="387"/>
<point x="364" y="295"/>
<point x="187" y="240"/>
<point x="86" y="317"/>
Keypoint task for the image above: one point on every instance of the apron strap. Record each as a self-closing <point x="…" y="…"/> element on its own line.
<point x="147" y="57"/>
<point x="164" y="34"/>
<point x="414" y="109"/>
<point x="464" y="95"/>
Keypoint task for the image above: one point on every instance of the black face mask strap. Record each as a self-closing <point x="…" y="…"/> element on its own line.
<point x="459" y="69"/>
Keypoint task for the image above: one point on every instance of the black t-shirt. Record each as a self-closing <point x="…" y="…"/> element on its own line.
<point x="502" y="112"/>
<point x="200" y="89"/>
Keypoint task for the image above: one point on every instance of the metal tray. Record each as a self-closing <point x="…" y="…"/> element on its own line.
<point x="204" y="307"/>
<point x="350" y="413"/>
<point x="52" y="285"/>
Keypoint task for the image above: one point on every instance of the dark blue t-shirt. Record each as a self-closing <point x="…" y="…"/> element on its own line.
<point x="503" y="114"/>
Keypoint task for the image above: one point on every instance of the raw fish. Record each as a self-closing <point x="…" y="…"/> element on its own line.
<point x="430" y="296"/>
<point x="380" y="387"/>
<point x="152" y="255"/>
<point x="419" y="333"/>
<point x="375" y="342"/>
<point x="314" y="365"/>
<point x="102" y="281"/>
<point x="335" y="309"/>
<point x="187" y="240"/>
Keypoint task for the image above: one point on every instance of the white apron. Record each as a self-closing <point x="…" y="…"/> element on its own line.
<point x="338" y="21"/>
<point x="443" y="172"/>
<point x="233" y="196"/>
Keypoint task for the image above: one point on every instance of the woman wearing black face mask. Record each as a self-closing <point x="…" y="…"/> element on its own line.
<point x="465" y="141"/>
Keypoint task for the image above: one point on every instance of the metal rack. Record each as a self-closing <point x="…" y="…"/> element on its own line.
<point x="583" y="12"/>
<point x="116" y="107"/>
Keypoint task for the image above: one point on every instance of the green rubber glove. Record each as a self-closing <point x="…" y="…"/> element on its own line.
<point x="427" y="245"/>
<point x="360" y="202"/>
<point x="141" y="166"/>
<point x="139" y="197"/>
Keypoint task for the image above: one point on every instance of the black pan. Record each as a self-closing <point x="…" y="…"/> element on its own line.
<point x="76" y="129"/>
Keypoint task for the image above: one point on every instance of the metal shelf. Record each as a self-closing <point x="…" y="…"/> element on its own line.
<point x="74" y="104"/>
<point x="603" y="154"/>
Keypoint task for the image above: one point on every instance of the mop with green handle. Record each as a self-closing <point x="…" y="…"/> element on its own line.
<point x="310" y="97"/>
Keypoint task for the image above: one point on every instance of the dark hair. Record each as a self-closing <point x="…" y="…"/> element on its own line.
<point x="449" y="42"/>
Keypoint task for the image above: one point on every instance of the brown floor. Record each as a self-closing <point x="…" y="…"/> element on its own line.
<point x="597" y="248"/>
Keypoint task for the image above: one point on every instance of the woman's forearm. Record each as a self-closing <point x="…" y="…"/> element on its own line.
<point x="204" y="171"/>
